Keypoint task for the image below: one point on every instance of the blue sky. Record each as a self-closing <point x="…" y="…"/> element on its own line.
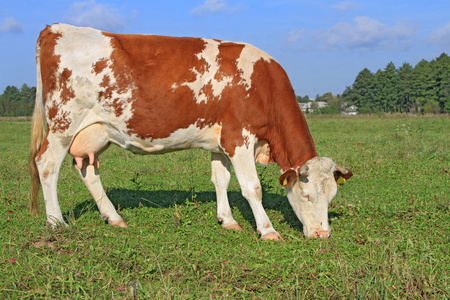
<point x="322" y="44"/>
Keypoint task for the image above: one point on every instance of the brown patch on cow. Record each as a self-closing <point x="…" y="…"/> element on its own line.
<point x="154" y="64"/>
<point x="116" y="105"/>
<point x="99" y="66"/>
<point x="228" y="55"/>
<point x="49" y="61"/>
<point x="106" y="81"/>
<point x="118" y="109"/>
<point x="203" y="66"/>
<point x="53" y="80"/>
<point x="46" y="173"/>
<point x="66" y="93"/>
<point x="43" y="148"/>
<point x="208" y="90"/>
<point x="59" y="119"/>
<point x="52" y="111"/>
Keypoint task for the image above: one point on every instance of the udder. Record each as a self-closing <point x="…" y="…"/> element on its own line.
<point x="89" y="144"/>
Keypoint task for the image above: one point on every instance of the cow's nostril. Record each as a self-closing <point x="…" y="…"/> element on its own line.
<point x="324" y="234"/>
<point x="315" y="234"/>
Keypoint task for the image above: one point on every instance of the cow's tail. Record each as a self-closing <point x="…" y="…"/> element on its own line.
<point x="37" y="137"/>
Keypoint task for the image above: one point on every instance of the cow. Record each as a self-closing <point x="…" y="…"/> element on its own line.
<point x="154" y="94"/>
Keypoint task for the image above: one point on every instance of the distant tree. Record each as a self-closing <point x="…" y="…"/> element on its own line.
<point x="11" y="93"/>
<point x="386" y="88"/>
<point x="424" y="88"/>
<point x="327" y="97"/>
<point x="362" y="92"/>
<point x="304" y="99"/>
<point x="442" y="74"/>
<point x="335" y="104"/>
<point x="424" y="84"/>
<point x="405" y="88"/>
<point x="15" y="102"/>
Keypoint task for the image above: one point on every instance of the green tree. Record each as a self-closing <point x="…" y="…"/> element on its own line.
<point x="304" y="99"/>
<point x="361" y="93"/>
<point x="386" y="88"/>
<point x="405" y="87"/>
<point x="424" y="88"/>
<point x="442" y="75"/>
<point x="327" y="97"/>
<point x="17" y="102"/>
<point x="11" y="93"/>
<point x="424" y="84"/>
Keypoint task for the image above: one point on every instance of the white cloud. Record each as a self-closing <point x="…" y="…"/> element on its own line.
<point x="216" y="7"/>
<point x="92" y="14"/>
<point x="366" y="34"/>
<point x="345" y="6"/>
<point x="11" y="25"/>
<point x="441" y="36"/>
<point x="296" y="35"/>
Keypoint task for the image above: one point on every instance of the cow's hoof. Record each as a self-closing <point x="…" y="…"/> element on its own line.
<point x="234" y="226"/>
<point x="57" y="224"/>
<point x="273" y="236"/>
<point x="119" y="223"/>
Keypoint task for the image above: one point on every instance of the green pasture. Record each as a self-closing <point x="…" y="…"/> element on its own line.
<point x="390" y="238"/>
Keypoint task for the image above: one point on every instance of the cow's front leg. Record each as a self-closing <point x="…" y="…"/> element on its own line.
<point x="220" y="176"/>
<point x="91" y="178"/>
<point x="244" y="167"/>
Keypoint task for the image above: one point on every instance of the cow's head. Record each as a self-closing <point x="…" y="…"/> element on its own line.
<point x="310" y="189"/>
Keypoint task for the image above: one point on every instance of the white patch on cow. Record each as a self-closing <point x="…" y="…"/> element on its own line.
<point x="249" y="56"/>
<point x="174" y="87"/>
<point x="249" y="138"/>
<point x="79" y="49"/>
<point x="208" y="76"/>
<point x="194" y="136"/>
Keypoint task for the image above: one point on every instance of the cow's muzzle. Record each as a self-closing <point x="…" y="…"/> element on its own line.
<point x="321" y="234"/>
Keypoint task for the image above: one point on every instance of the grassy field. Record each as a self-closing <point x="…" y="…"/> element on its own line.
<point x="390" y="239"/>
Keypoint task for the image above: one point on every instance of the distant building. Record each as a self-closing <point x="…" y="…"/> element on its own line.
<point x="351" y="110"/>
<point x="310" y="106"/>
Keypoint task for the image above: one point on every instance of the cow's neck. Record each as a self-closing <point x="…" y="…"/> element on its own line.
<point x="290" y="141"/>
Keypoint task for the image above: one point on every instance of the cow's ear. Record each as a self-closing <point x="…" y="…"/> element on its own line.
<point x="288" y="178"/>
<point x="341" y="174"/>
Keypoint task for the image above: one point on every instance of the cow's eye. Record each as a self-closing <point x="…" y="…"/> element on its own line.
<point x="306" y="196"/>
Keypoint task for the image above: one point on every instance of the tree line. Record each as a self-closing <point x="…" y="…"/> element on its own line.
<point x="17" y="102"/>
<point x="424" y="88"/>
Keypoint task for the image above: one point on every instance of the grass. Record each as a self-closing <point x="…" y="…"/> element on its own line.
<point x="391" y="224"/>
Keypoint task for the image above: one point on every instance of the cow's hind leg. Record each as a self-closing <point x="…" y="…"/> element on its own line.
<point x="245" y="169"/>
<point x="86" y="148"/>
<point x="48" y="162"/>
<point x="220" y="176"/>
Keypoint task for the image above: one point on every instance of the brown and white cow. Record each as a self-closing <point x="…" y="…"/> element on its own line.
<point x="155" y="94"/>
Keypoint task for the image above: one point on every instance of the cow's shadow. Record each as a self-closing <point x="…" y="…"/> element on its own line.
<point x="132" y="199"/>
